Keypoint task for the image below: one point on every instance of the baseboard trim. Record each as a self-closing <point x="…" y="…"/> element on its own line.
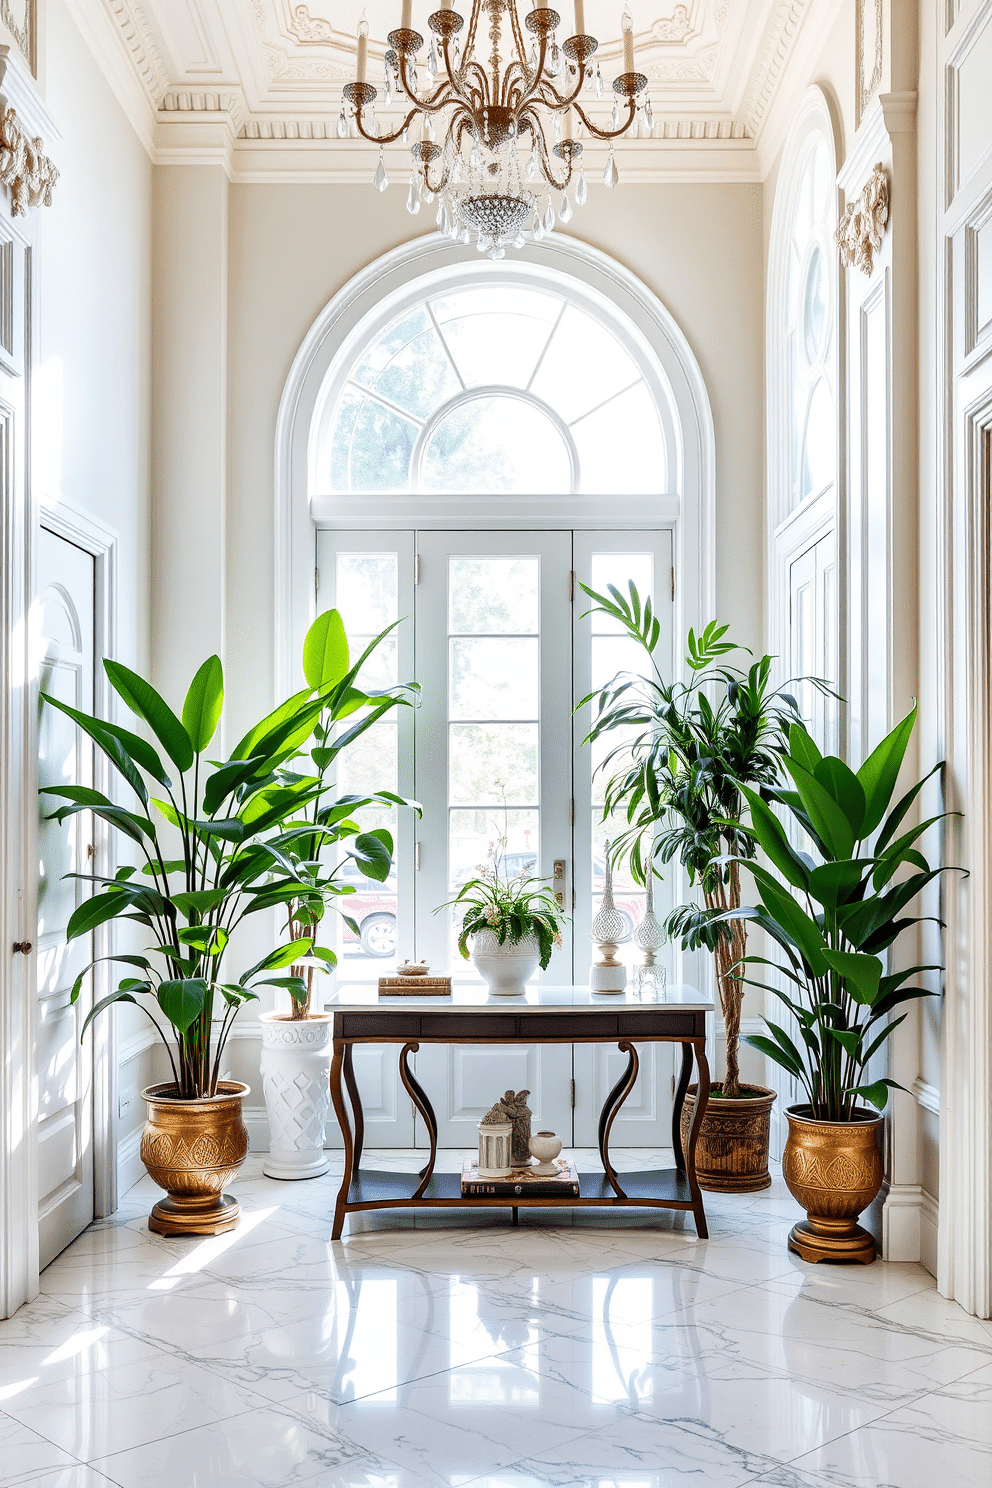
<point x="909" y="1225"/>
<point x="129" y="1165"/>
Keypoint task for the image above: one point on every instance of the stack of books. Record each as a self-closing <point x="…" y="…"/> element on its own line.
<point x="522" y="1181"/>
<point x="415" y="986"/>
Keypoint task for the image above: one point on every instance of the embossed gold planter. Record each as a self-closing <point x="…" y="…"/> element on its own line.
<point x="834" y="1169"/>
<point x="732" y="1150"/>
<point x="192" y="1149"/>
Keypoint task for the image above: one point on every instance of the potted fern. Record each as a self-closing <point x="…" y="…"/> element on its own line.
<point x="684" y="752"/>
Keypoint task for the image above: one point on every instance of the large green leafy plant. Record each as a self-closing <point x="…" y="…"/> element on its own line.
<point x="684" y="753"/>
<point x="207" y="834"/>
<point x="325" y="830"/>
<point x="835" y="916"/>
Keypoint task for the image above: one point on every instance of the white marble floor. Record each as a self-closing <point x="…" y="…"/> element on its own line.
<point x="448" y="1353"/>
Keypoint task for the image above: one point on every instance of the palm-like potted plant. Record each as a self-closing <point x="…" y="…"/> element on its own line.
<point x="314" y="845"/>
<point x="834" y="918"/>
<point x="206" y="861"/>
<point x="677" y="772"/>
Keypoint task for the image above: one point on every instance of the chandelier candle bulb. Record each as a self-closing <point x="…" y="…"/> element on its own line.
<point x="580" y="19"/>
<point x="363" y="48"/>
<point x="628" y="41"/>
<point x="569" y="130"/>
<point x="406" y="16"/>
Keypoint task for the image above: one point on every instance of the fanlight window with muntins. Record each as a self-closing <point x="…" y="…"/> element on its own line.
<point x="497" y="390"/>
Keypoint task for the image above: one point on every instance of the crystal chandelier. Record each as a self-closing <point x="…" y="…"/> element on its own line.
<point x="526" y="100"/>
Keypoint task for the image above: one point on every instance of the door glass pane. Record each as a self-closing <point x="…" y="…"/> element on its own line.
<point x="493" y="718"/>
<point x="366" y="590"/>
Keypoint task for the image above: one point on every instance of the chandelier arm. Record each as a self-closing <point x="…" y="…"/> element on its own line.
<point x="518" y="37"/>
<point x="547" y="168"/>
<point x="559" y="100"/>
<point x="384" y="139"/>
<point x="513" y="90"/>
<point x="482" y="79"/>
<point x="443" y="181"/>
<point x="608" y="134"/>
<point x="538" y="79"/>
<point x="472" y="27"/>
<point x="456" y="76"/>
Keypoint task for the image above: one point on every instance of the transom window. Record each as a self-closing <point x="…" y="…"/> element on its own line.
<point x="496" y="388"/>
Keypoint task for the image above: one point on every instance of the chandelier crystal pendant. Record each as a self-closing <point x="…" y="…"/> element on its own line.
<point x="474" y="118"/>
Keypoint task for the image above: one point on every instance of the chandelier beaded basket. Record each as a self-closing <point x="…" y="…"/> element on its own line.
<point x="527" y="99"/>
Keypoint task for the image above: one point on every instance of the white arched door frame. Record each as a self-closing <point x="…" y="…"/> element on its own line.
<point x="689" y="508"/>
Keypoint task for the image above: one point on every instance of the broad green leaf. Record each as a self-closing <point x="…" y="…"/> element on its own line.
<point x="880" y="771"/>
<point x="796" y="923"/>
<point x="144" y="701"/>
<point x="108" y="742"/>
<point x="373" y="852"/>
<point x="829" y="820"/>
<point x="877" y="1093"/>
<point x="840" y="781"/>
<point x="198" y="901"/>
<point x="281" y="956"/>
<point x="772" y="837"/>
<point x="249" y="745"/>
<point x="325" y="651"/>
<point x="803" y="747"/>
<point x="834" y="883"/>
<point x="105" y="1002"/>
<point x="209" y="939"/>
<point x="96" y="911"/>
<point x="861" y="973"/>
<point x="204" y="701"/>
<point x="182" y="1001"/>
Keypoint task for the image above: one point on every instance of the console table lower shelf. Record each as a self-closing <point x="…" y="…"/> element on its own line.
<point x="662" y="1188"/>
<point x="568" y="1015"/>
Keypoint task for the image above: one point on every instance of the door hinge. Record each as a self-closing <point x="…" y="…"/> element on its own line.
<point x="573" y="896"/>
<point x="416" y="856"/>
<point x="673" y="582"/>
<point x="571" y="586"/>
<point x="571" y="812"/>
<point x="416" y="568"/>
<point x="316" y="582"/>
<point x="572" y="1093"/>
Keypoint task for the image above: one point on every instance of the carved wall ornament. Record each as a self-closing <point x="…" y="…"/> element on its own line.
<point x="25" y="169"/>
<point x="859" y="232"/>
<point x="19" y="18"/>
<point x="870" y="22"/>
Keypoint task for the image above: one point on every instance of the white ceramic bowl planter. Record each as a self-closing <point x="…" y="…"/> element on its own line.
<point x="296" y="1071"/>
<point x="505" y="968"/>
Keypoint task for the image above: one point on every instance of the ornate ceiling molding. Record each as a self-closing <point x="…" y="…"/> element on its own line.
<point x="775" y="53"/>
<point x="136" y="33"/>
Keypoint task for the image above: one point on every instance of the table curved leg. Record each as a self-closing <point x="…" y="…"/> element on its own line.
<point x="680" y="1095"/>
<point x="358" y="1115"/>
<point x="702" y="1099"/>
<point x="418" y="1095"/>
<point x="341" y="1112"/>
<point x="611" y="1108"/>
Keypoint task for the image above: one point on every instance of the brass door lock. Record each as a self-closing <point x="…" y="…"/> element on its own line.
<point x="559" y="868"/>
<point x="24" y="946"/>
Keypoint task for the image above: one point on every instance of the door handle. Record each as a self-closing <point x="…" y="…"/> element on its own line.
<point x="24" y="946"/>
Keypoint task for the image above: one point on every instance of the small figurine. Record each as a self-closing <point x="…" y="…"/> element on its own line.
<point x="413" y="969"/>
<point x="519" y="1113"/>
<point x="495" y="1136"/>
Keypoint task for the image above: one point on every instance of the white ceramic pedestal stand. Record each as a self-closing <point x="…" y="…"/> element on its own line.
<point x="296" y="1068"/>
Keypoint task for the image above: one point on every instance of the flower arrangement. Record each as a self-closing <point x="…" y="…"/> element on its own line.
<point x="512" y="908"/>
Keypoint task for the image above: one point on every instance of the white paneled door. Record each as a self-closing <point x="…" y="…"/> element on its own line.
<point x="495" y="629"/>
<point x="66" y="576"/>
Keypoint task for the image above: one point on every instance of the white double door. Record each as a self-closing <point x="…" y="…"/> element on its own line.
<point x="494" y="627"/>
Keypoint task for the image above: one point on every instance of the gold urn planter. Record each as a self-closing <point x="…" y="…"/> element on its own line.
<point x="834" y="1169"/>
<point x="732" y="1149"/>
<point x="192" y="1149"/>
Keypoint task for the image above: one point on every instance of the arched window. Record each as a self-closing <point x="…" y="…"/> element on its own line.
<point x="496" y="387"/>
<point x="802" y="298"/>
<point x="810" y="328"/>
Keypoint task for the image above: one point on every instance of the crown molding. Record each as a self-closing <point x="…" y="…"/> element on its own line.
<point x="124" y="73"/>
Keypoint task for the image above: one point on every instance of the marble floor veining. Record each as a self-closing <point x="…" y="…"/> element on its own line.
<point x="599" y="1351"/>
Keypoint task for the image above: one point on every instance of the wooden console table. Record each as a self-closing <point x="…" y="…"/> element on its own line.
<point x="545" y="1015"/>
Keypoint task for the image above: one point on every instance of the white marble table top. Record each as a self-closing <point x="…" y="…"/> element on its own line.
<point x="473" y="997"/>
